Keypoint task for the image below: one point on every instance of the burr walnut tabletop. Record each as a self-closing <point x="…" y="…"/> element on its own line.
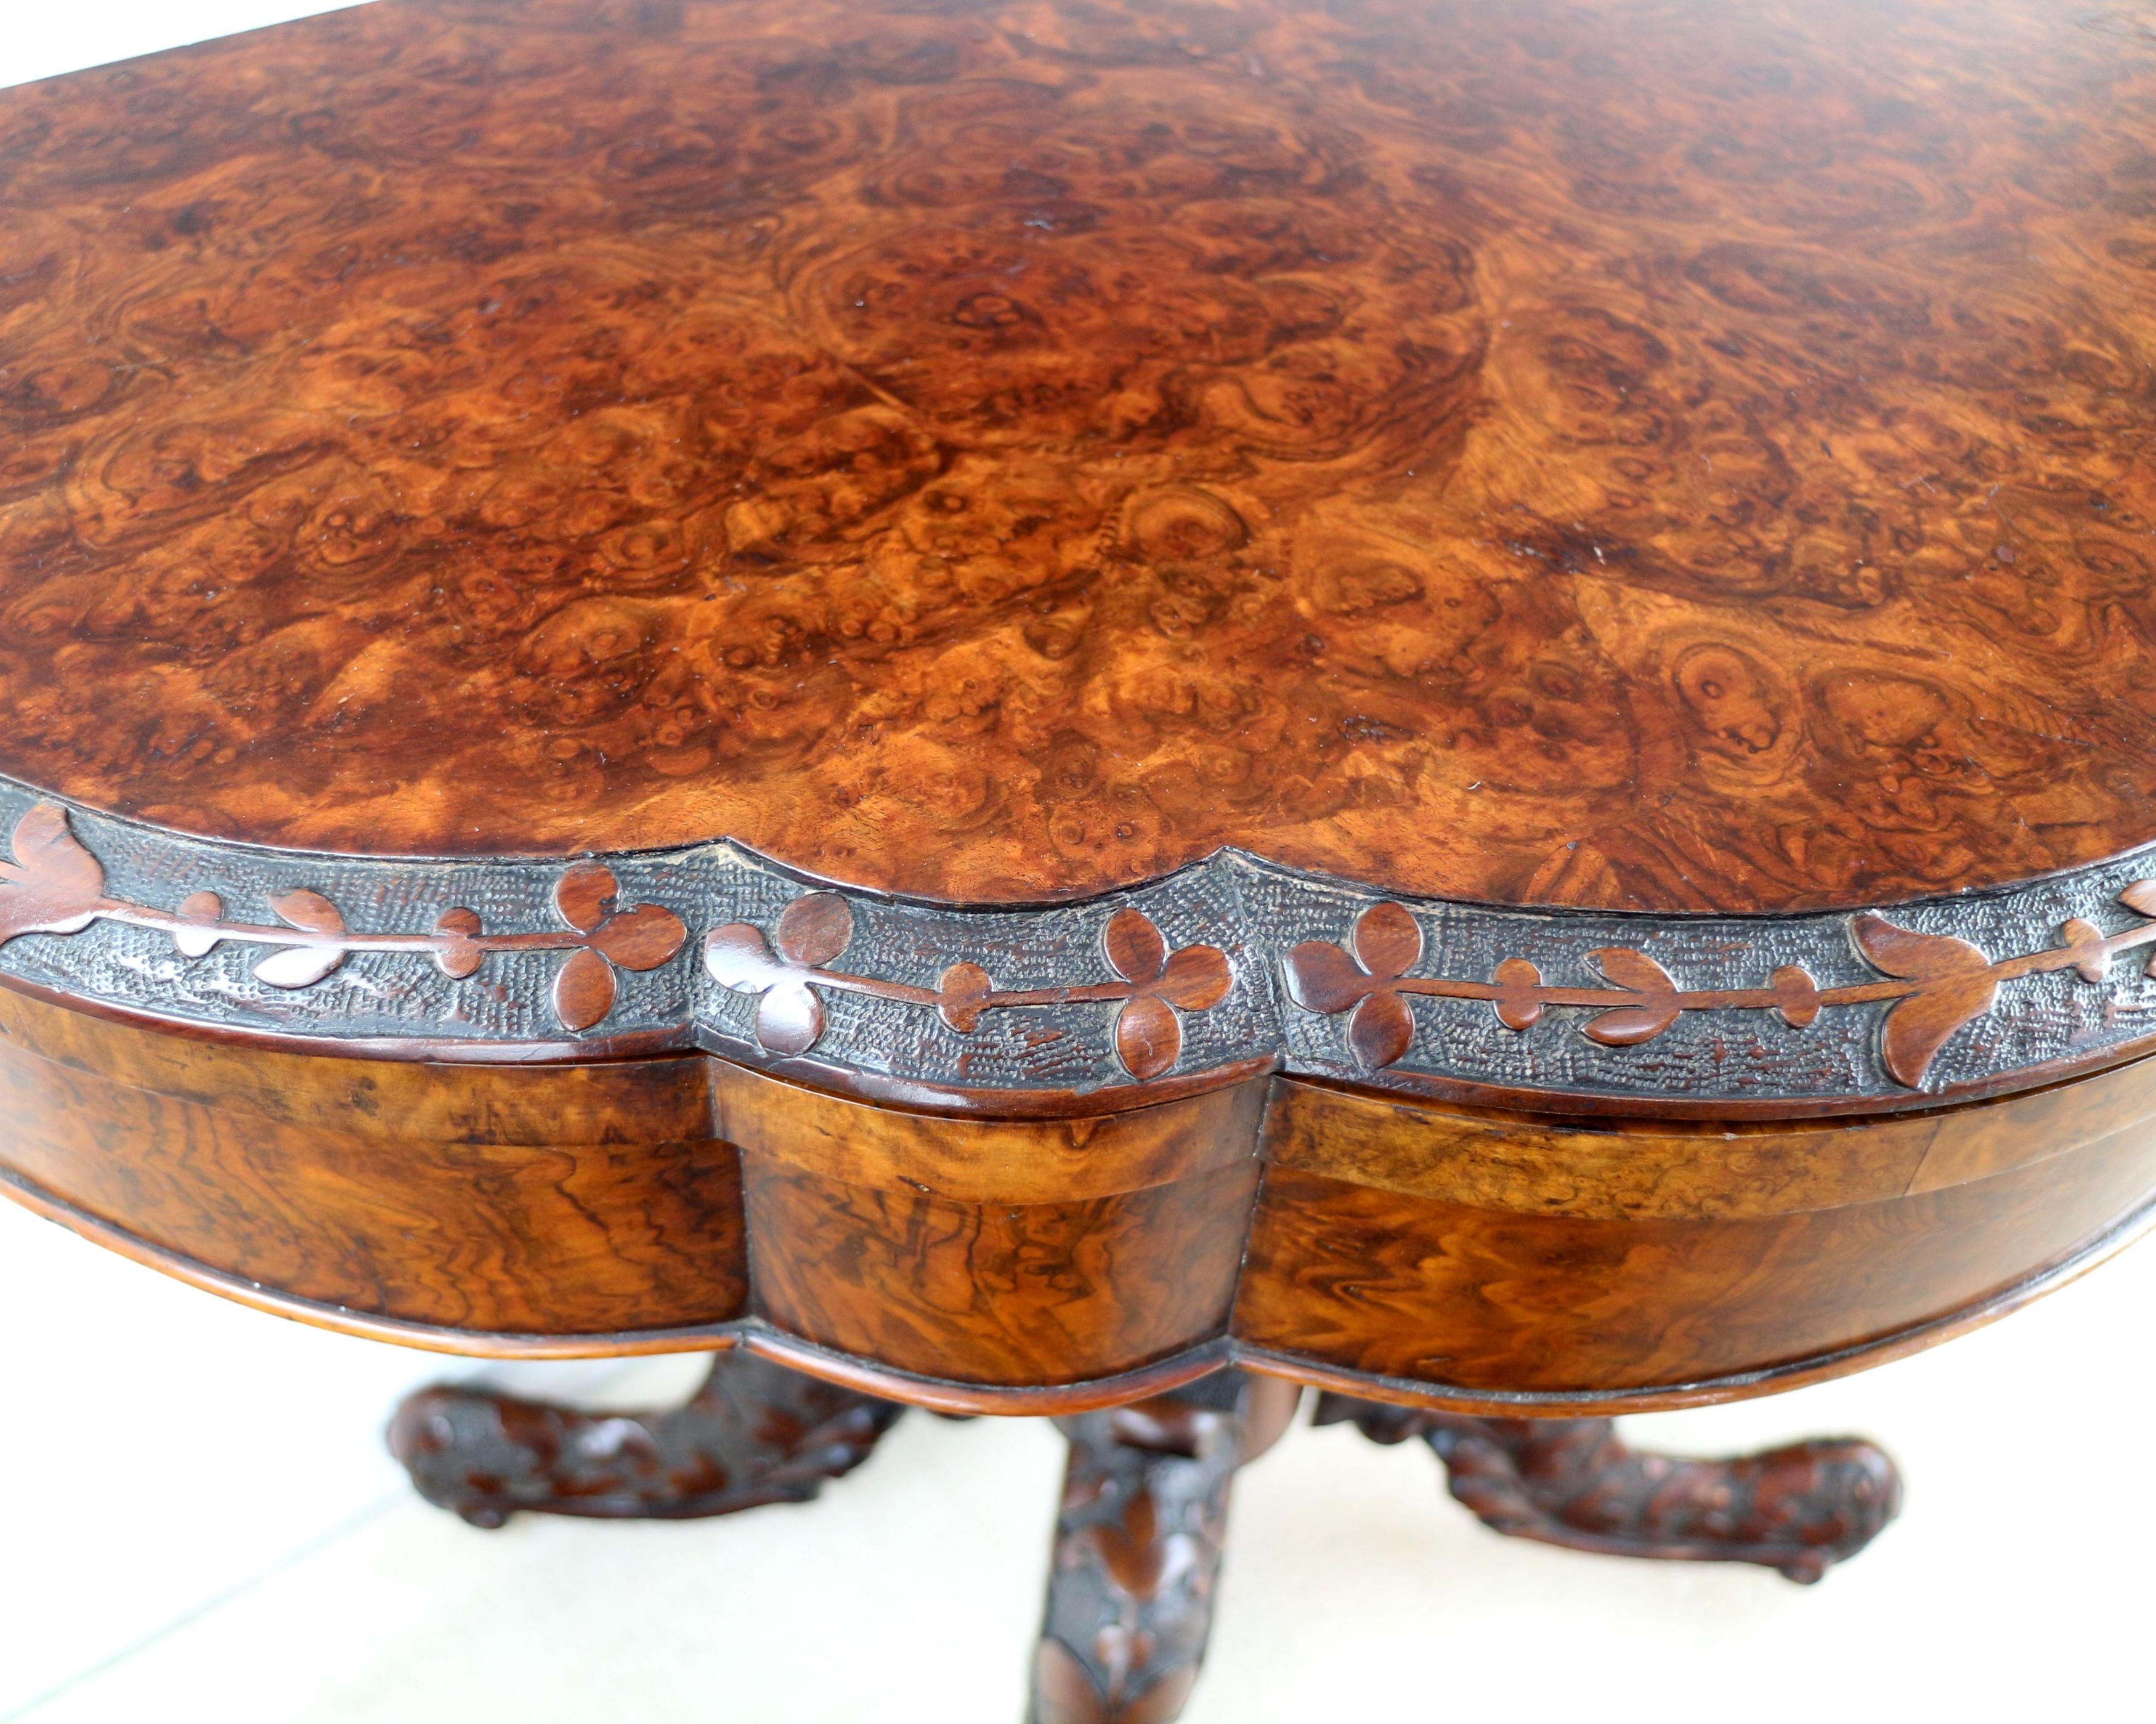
<point x="1619" y="456"/>
<point x="1034" y="705"/>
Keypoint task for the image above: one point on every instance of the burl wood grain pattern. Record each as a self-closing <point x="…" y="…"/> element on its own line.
<point x="995" y="1251"/>
<point x="1465" y="1258"/>
<point x="578" y="1200"/>
<point x="1638" y="1170"/>
<point x="1006" y="1294"/>
<point x="1611" y="453"/>
<point x="972" y="1160"/>
<point x="1426" y="1291"/>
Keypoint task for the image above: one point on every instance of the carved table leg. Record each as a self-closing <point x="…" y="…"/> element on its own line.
<point x="754" y="1433"/>
<point x="1569" y="1481"/>
<point x="1138" y="1546"/>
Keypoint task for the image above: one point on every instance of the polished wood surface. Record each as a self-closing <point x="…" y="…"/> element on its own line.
<point x="1003" y="1293"/>
<point x="1631" y="456"/>
<point x="1629" y="1170"/>
<point x="578" y="1199"/>
<point x="1625" y="453"/>
<point x="1427" y="1292"/>
<point x="1025" y="1160"/>
<point x="1446" y="1255"/>
<point x="1095" y="708"/>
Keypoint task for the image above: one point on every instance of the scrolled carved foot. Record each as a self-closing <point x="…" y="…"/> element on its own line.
<point x="754" y="1433"/>
<point x="1138" y="1545"/>
<point x="1569" y="1481"/>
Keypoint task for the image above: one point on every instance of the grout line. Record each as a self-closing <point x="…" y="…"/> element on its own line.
<point x="351" y="1523"/>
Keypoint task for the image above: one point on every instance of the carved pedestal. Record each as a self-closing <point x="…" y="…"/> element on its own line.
<point x="1138" y="1546"/>
<point x="754" y="1433"/>
<point x="1799" y="1508"/>
<point x="1142" y="1530"/>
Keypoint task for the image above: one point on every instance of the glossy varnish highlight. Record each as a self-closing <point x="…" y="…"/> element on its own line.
<point x="1357" y="1240"/>
<point x="572" y="1200"/>
<point x="1615" y="454"/>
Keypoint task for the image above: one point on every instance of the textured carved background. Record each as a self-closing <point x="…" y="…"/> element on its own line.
<point x="2022" y="1027"/>
<point x="1623" y="453"/>
<point x="1729" y="1055"/>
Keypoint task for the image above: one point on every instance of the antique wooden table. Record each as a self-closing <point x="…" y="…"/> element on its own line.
<point x="1095" y="708"/>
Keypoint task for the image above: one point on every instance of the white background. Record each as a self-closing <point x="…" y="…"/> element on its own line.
<point x="198" y="1520"/>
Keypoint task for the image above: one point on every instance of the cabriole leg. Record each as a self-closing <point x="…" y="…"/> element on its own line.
<point x="755" y="1432"/>
<point x="1570" y="1482"/>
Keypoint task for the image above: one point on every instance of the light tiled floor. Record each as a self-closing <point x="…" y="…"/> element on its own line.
<point x="200" y="1523"/>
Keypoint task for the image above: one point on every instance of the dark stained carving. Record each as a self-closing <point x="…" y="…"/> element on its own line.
<point x="1569" y="1481"/>
<point x="1140" y="1532"/>
<point x="1851" y="1011"/>
<point x="1138" y="1546"/>
<point x="1937" y="984"/>
<point x="755" y="1432"/>
<point x="56" y="886"/>
<point x="814" y="931"/>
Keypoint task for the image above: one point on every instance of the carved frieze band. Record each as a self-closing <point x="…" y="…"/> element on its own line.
<point x="1231" y="961"/>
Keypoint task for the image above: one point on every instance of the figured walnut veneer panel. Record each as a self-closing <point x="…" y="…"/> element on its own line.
<point x="1475" y="1251"/>
<point x="548" y="1237"/>
<point x="1002" y="1161"/>
<point x="1380" y="1282"/>
<point x="997" y="1293"/>
<point x="622" y="1101"/>
<point x="1638" y="1170"/>
<point x="1632" y="1171"/>
<point x="1612" y="453"/>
